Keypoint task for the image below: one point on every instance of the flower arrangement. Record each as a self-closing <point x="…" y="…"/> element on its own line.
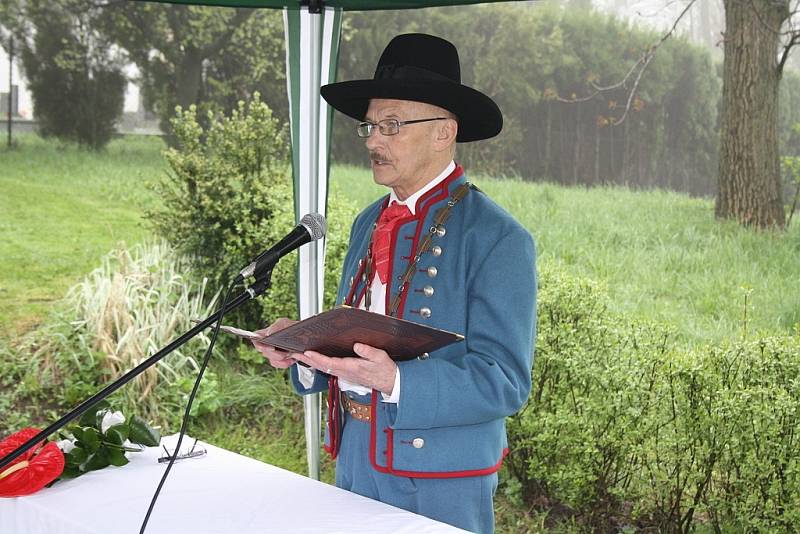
<point x="101" y="438"/>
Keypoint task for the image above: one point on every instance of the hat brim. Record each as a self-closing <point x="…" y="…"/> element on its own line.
<point x="478" y="115"/>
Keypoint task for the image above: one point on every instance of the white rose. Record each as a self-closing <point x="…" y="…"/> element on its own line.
<point x="111" y="419"/>
<point x="66" y="445"/>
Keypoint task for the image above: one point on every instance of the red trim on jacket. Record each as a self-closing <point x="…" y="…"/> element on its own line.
<point x="421" y="209"/>
<point x="334" y="424"/>
<point x="388" y="469"/>
<point x="442" y="187"/>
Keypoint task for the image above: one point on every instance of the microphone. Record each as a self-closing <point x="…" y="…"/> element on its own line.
<point x="312" y="226"/>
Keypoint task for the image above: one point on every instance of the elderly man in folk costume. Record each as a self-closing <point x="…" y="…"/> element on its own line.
<point x="427" y="435"/>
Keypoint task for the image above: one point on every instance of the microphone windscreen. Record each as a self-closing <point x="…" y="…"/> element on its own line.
<point x="316" y="225"/>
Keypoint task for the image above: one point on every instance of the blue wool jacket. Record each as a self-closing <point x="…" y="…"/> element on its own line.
<point x="450" y="420"/>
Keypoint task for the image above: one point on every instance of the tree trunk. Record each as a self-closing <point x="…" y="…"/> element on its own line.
<point x="577" y="147"/>
<point x="548" y="141"/>
<point x="626" y="144"/>
<point x="596" y="155"/>
<point x="189" y="78"/>
<point x="748" y="180"/>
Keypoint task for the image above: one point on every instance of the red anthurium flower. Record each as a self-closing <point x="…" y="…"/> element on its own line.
<point x="33" y="470"/>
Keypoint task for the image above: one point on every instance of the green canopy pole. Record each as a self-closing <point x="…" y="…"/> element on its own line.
<point x="311" y="57"/>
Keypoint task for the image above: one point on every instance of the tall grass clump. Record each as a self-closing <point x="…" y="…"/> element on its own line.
<point x="120" y="314"/>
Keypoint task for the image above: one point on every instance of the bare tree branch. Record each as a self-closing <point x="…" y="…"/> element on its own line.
<point x="659" y="10"/>
<point x="600" y="89"/>
<point x="795" y="40"/>
<point x="641" y="65"/>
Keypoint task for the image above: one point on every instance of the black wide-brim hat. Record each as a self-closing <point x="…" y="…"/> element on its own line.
<point x="422" y="68"/>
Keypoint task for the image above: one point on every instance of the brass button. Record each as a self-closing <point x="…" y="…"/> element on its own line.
<point x="425" y="312"/>
<point x="428" y="290"/>
<point x="418" y="443"/>
<point x="436" y="250"/>
<point x="432" y="271"/>
<point x="424" y="356"/>
<point x="440" y="231"/>
<point x="361" y="262"/>
<point x="351" y="281"/>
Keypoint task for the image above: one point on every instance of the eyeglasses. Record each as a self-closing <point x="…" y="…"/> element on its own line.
<point x="388" y="126"/>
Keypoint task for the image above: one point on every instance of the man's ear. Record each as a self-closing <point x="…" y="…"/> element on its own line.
<point x="446" y="132"/>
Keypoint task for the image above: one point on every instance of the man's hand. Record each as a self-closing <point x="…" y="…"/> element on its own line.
<point x="374" y="369"/>
<point x="277" y="358"/>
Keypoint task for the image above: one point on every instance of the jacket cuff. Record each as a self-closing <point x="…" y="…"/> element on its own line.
<point x="419" y="408"/>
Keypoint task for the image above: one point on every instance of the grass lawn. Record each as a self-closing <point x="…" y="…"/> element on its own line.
<point x="662" y="255"/>
<point x="61" y="209"/>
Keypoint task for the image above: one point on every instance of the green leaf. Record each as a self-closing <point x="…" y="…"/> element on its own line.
<point x="77" y="432"/>
<point x="90" y="439"/>
<point x="117" y="434"/>
<point x="89" y="418"/>
<point x="117" y="457"/>
<point x="97" y="460"/>
<point x="142" y="433"/>
<point x="76" y="456"/>
<point x="70" y="471"/>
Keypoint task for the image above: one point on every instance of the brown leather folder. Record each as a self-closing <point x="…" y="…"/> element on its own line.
<point x="334" y="332"/>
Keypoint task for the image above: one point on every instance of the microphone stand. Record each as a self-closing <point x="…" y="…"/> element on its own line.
<point x="258" y="287"/>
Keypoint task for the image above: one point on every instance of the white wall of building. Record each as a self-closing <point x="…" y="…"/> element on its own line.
<point x="26" y="110"/>
<point x="25" y="102"/>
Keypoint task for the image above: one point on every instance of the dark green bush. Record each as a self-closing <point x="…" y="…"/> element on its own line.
<point x="228" y="196"/>
<point x="75" y="79"/>
<point x="625" y="427"/>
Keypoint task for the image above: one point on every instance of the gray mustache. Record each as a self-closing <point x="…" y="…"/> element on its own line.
<point x="374" y="156"/>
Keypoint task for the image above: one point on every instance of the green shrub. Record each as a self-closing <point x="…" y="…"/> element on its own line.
<point x="756" y="482"/>
<point x="228" y="196"/>
<point x="626" y="428"/>
<point x="578" y="441"/>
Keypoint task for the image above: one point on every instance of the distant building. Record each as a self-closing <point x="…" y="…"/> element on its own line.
<point x="21" y="102"/>
<point x="135" y="118"/>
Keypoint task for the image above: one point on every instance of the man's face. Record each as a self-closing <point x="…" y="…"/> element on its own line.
<point x="403" y="161"/>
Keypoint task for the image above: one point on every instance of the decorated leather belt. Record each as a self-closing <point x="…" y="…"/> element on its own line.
<point x="357" y="410"/>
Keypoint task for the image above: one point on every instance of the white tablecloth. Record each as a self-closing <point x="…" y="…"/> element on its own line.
<point x="219" y="493"/>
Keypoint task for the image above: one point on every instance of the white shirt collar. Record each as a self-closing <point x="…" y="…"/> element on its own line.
<point x="411" y="201"/>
